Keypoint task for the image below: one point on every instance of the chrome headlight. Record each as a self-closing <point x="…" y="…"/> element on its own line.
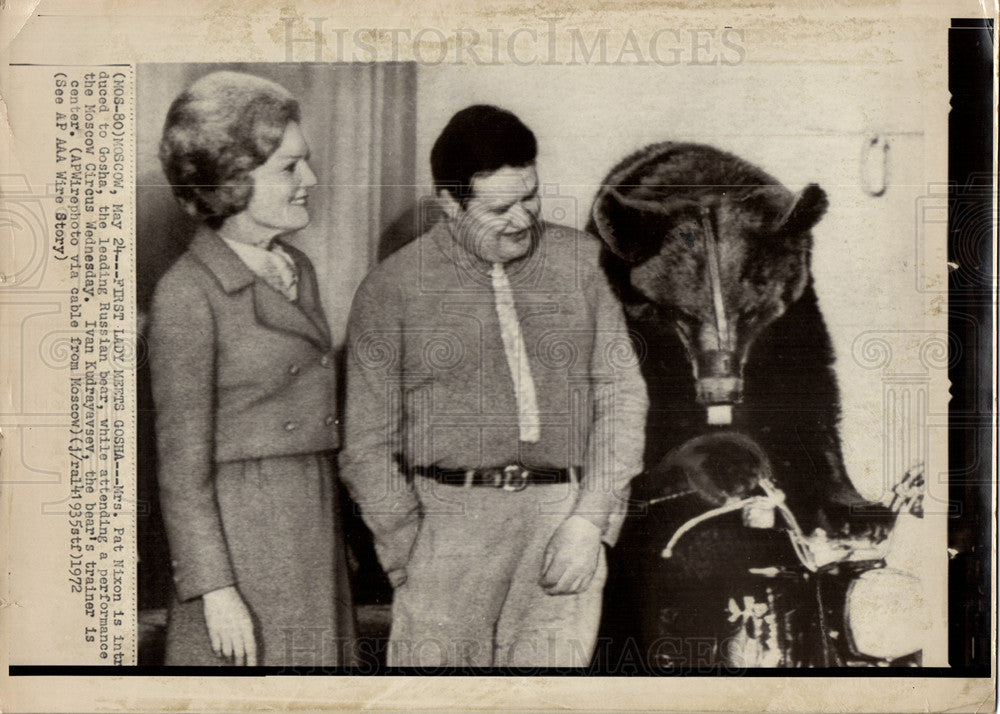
<point x="885" y="614"/>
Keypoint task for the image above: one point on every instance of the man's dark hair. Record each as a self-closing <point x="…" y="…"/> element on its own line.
<point x="479" y="139"/>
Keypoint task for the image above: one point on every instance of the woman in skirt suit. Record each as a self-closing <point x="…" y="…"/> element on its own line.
<point x="244" y="382"/>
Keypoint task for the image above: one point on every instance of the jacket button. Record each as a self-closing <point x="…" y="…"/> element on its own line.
<point x="330" y="420"/>
<point x="293" y="370"/>
<point x="290" y="426"/>
<point x="326" y="360"/>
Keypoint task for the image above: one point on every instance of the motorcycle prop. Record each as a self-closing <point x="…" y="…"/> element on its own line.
<point x="784" y="597"/>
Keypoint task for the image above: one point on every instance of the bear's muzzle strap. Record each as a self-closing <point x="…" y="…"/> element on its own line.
<point x="719" y="386"/>
<point x="715" y="281"/>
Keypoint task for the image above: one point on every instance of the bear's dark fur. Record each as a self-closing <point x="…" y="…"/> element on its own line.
<point x="653" y="213"/>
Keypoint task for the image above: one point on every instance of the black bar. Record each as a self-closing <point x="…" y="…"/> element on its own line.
<point x="970" y="326"/>
<point x="638" y="671"/>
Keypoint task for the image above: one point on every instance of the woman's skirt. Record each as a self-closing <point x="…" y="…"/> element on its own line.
<point x="282" y="526"/>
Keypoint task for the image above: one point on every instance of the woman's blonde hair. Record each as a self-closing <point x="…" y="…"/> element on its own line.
<point x="217" y="131"/>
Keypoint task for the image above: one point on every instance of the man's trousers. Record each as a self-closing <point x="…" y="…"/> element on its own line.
<point x="472" y="595"/>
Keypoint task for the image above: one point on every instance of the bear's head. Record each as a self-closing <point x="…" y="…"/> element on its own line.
<point x="712" y="244"/>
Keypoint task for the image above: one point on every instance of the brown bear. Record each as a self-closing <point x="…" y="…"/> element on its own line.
<point x="711" y="258"/>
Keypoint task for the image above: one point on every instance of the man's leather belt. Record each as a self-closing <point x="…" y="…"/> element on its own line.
<point x="512" y="477"/>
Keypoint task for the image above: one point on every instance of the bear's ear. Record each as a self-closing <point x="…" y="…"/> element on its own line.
<point x="763" y="203"/>
<point x="805" y="211"/>
<point x="634" y="228"/>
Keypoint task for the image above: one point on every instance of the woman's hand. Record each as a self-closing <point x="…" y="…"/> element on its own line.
<point x="230" y="626"/>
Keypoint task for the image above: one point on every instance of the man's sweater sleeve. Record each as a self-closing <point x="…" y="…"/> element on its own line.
<point x="619" y="403"/>
<point x="372" y="425"/>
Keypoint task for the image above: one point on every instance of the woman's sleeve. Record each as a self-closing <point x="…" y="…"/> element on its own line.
<point x="182" y="363"/>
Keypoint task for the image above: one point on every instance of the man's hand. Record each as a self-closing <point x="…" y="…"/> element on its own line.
<point x="571" y="557"/>
<point x="230" y="626"/>
<point x="396" y="577"/>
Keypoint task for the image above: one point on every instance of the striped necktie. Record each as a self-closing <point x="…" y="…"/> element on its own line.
<point x="517" y="356"/>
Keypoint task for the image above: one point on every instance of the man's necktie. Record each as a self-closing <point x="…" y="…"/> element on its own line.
<point x="517" y="356"/>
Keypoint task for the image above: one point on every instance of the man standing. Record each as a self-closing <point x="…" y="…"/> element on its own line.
<point x="495" y="415"/>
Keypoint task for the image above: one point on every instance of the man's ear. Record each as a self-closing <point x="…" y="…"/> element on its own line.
<point x="449" y="204"/>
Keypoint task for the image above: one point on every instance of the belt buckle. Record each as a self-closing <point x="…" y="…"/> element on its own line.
<point x="515" y="478"/>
